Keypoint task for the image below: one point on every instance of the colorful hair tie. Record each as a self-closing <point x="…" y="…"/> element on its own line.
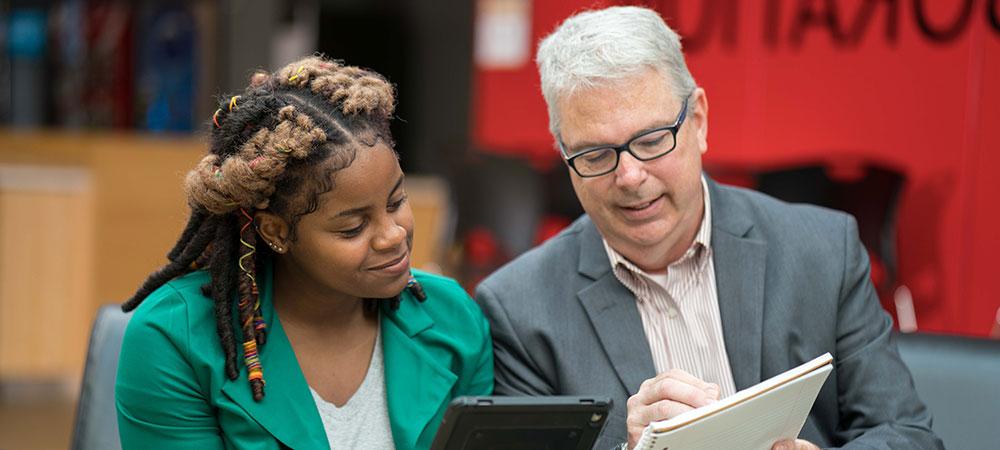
<point x="416" y="289"/>
<point x="251" y="359"/>
<point x="215" y="118"/>
<point x="232" y="102"/>
<point x="259" y="324"/>
<point x="250" y="249"/>
<point x="297" y="73"/>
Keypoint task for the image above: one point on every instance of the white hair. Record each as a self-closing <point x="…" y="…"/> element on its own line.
<point x="593" y="48"/>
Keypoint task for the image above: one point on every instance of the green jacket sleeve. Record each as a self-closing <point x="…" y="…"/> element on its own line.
<point x="159" y="400"/>
<point x="481" y="379"/>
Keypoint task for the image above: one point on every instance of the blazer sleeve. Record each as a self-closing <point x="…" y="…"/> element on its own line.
<point x="159" y="400"/>
<point x="480" y="378"/>
<point x="879" y="407"/>
<point x="514" y="371"/>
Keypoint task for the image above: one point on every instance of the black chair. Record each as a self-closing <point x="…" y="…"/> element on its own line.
<point x="96" y="425"/>
<point x="873" y="199"/>
<point x="958" y="378"/>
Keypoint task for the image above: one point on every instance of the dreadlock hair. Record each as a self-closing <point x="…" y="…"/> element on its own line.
<point x="273" y="147"/>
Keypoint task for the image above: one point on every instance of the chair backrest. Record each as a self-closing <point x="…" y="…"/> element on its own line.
<point x="873" y="199"/>
<point x="958" y="378"/>
<point x="96" y="426"/>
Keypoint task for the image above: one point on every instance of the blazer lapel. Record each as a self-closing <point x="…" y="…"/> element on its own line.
<point x="288" y="410"/>
<point x="418" y="386"/>
<point x="739" y="276"/>
<point x="613" y="313"/>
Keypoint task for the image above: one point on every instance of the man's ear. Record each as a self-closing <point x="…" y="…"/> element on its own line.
<point x="700" y="116"/>
<point x="273" y="229"/>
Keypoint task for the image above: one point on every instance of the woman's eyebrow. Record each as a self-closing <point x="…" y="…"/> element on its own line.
<point x="352" y="212"/>
<point x="363" y="209"/>
<point x="399" y="183"/>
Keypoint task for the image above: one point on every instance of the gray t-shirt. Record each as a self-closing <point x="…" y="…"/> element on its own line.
<point x="363" y="422"/>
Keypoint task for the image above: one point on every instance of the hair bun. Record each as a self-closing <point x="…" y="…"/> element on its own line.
<point x="204" y="187"/>
<point x="371" y="94"/>
<point x="358" y="92"/>
<point x="355" y="90"/>
<point x="299" y="73"/>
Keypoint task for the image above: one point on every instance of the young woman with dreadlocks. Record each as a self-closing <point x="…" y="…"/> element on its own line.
<point x="288" y="315"/>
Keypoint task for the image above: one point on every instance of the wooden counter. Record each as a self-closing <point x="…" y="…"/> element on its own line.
<point x="84" y="217"/>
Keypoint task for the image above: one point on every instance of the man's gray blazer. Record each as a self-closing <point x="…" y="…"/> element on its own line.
<point x="793" y="283"/>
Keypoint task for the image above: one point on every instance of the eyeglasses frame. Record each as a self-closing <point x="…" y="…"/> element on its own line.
<point x="626" y="147"/>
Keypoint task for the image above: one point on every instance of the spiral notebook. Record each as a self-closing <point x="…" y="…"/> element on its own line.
<point x="752" y="419"/>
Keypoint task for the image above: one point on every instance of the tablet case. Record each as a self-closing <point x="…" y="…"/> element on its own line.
<point x="522" y="423"/>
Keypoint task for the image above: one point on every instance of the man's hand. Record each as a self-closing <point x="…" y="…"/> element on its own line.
<point x="664" y="396"/>
<point x="797" y="444"/>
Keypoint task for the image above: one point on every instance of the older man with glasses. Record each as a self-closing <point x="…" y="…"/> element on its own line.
<point x="674" y="291"/>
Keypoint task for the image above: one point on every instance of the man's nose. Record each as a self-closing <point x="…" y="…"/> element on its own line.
<point x="630" y="171"/>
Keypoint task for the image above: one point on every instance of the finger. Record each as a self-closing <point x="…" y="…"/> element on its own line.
<point x="797" y="444"/>
<point x="802" y="444"/>
<point x="672" y="373"/>
<point x="694" y="397"/>
<point x="634" y="434"/>
<point x="639" y="418"/>
<point x="714" y="390"/>
<point x="675" y="390"/>
<point x="691" y="379"/>
<point x="783" y="445"/>
<point x="635" y="423"/>
<point x="662" y="410"/>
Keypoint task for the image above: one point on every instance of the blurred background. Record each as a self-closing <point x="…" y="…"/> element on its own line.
<point x="887" y="109"/>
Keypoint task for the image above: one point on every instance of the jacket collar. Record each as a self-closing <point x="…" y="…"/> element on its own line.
<point x="739" y="260"/>
<point x="612" y="311"/>
<point x="740" y="264"/>
<point x="594" y="262"/>
<point x="416" y="383"/>
<point x="288" y="410"/>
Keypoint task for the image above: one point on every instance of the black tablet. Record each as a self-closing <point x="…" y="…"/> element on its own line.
<point x="522" y="423"/>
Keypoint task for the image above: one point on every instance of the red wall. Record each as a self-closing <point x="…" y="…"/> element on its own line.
<point x="909" y="83"/>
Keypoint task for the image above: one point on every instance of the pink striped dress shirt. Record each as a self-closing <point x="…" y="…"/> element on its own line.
<point x="680" y="309"/>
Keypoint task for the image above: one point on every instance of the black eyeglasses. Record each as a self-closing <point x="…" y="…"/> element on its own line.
<point x="594" y="162"/>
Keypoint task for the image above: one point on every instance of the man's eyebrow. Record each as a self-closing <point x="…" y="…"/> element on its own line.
<point x="583" y="146"/>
